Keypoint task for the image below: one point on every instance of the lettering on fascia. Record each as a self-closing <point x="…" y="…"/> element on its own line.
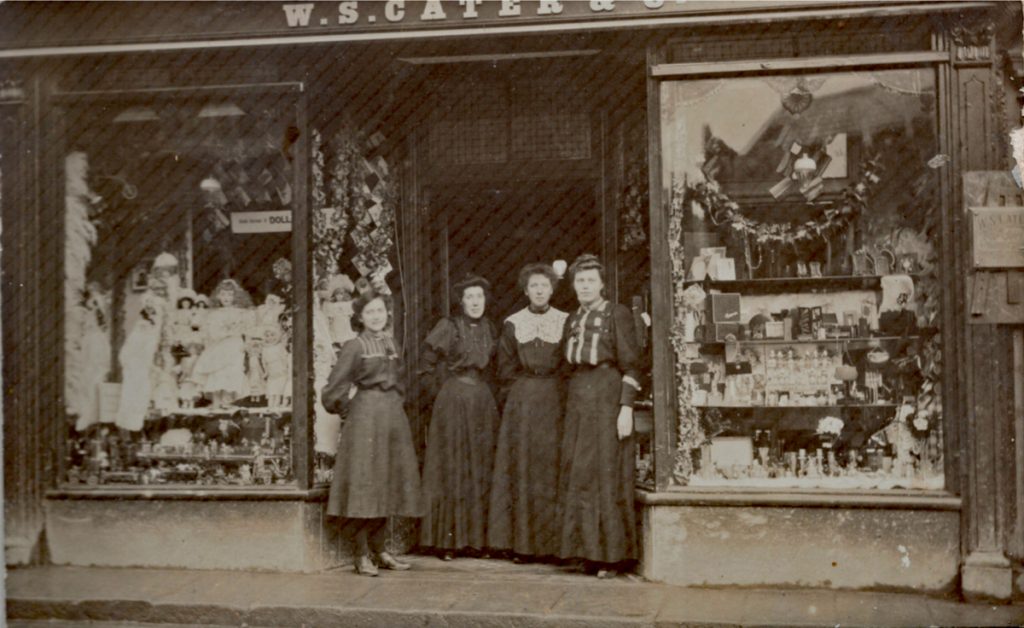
<point x="350" y="12"/>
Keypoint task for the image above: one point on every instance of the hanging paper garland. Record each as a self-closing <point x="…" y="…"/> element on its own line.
<point x="831" y="222"/>
<point x="634" y="201"/>
<point x="690" y="435"/>
<point x="373" y="210"/>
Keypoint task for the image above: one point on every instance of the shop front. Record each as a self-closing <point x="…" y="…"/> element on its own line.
<point x="777" y="191"/>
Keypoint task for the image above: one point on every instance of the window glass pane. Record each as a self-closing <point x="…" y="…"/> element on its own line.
<point x="805" y="237"/>
<point x="178" y="300"/>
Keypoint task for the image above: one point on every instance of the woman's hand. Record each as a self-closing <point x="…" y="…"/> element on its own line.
<point x="625" y="422"/>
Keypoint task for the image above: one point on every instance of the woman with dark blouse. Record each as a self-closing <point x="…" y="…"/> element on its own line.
<point x="375" y="469"/>
<point x="595" y="510"/>
<point x="521" y="517"/>
<point x="460" y="441"/>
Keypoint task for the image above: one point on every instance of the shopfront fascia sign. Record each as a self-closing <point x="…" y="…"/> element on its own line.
<point x="42" y="24"/>
<point x="409" y="13"/>
<point x="261" y="222"/>
<point x="997" y="237"/>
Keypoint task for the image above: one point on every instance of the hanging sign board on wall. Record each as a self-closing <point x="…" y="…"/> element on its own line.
<point x="261" y="222"/>
<point x="995" y="272"/>
<point x="997" y="237"/>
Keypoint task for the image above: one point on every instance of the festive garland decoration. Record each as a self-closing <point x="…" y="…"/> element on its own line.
<point x="331" y="203"/>
<point x="832" y="221"/>
<point x="634" y="204"/>
<point x="373" y="210"/>
<point x="690" y="434"/>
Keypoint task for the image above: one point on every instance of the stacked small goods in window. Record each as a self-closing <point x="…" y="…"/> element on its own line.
<point x="811" y="382"/>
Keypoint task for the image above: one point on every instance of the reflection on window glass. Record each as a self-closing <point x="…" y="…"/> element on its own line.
<point x="804" y="217"/>
<point x="178" y="300"/>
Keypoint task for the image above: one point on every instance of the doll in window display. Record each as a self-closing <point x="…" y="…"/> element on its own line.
<point x="188" y="388"/>
<point x="95" y="355"/>
<point x="338" y="309"/>
<point x="164" y="283"/>
<point x="266" y="316"/>
<point x="277" y="362"/>
<point x="184" y="345"/>
<point x="220" y="369"/>
<point x="137" y="357"/>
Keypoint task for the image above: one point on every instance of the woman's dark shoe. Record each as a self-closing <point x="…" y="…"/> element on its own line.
<point x="365" y="566"/>
<point x="387" y="561"/>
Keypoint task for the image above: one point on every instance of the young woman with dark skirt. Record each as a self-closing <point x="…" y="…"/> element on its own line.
<point x="524" y="490"/>
<point x="595" y="510"/>
<point x="375" y="471"/>
<point x="460" y="440"/>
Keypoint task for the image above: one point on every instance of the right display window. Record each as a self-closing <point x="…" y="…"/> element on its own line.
<point x="805" y="235"/>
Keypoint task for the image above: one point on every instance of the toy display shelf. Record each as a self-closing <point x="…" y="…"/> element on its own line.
<point x="221" y="458"/>
<point x="850" y="343"/>
<point x="778" y="285"/>
<point x="227" y="412"/>
<point x="789" y="408"/>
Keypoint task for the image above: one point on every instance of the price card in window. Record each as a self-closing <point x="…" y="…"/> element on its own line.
<point x="261" y="222"/>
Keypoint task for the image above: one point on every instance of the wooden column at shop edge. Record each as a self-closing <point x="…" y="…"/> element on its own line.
<point x="22" y="289"/>
<point x="983" y="411"/>
<point x="664" y="433"/>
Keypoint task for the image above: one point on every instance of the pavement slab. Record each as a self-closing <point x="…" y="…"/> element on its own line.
<point x="461" y="594"/>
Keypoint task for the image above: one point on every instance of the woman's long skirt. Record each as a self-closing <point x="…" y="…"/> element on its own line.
<point x="459" y="460"/>
<point x="375" y="469"/>
<point x="524" y="490"/>
<point x="595" y="509"/>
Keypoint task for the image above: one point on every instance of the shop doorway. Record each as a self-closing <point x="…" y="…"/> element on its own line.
<point x="495" y="228"/>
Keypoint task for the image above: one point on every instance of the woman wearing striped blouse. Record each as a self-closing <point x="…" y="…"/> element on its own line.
<point x="595" y="511"/>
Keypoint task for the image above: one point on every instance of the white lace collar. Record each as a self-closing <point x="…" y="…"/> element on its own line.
<point x="530" y="326"/>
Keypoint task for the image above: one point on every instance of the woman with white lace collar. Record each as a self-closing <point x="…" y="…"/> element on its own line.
<point x="521" y="517"/>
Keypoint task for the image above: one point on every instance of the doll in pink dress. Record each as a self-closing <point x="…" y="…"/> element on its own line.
<point x="220" y="369"/>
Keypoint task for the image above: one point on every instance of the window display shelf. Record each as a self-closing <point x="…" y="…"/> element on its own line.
<point x="851" y="343"/>
<point x="848" y="481"/>
<point x="851" y="406"/>
<point x="775" y="285"/>
<point x="200" y="458"/>
<point x="223" y="412"/>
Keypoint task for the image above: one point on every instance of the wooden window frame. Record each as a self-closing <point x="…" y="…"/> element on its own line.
<point x="664" y="383"/>
<point x="301" y="258"/>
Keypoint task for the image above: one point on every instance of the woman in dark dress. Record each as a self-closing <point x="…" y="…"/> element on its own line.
<point x="375" y="469"/>
<point x="460" y="441"/>
<point x="595" y="510"/>
<point x="524" y="488"/>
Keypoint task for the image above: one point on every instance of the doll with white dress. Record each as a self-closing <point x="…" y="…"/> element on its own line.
<point x="137" y="357"/>
<point x="95" y="354"/>
<point x="277" y="362"/>
<point x="220" y="369"/>
<point x="266" y="315"/>
<point x="338" y="309"/>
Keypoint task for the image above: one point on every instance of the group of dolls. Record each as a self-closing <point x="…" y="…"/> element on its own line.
<point x="551" y="475"/>
<point x="185" y="347"/>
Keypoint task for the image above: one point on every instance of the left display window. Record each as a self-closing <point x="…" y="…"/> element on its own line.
<point x="178" y="301"/>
